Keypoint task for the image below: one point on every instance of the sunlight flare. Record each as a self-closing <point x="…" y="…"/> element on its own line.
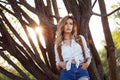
<point x="39" y="31"/>
<point x="33" y="35"/>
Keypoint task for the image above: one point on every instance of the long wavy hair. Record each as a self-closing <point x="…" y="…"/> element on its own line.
<point x="60" y="29"/>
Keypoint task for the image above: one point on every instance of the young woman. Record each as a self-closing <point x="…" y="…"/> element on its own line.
<point x="73" y="65"/>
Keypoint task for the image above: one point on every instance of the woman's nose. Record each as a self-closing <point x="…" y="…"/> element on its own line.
<point x="68" y="25"/>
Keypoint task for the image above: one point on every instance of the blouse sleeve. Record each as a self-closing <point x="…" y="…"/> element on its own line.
<point x="56" y="55"/>
<point x="87" y="51"/>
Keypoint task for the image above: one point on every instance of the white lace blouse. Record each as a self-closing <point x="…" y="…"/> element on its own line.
<point x="72" y="52"/>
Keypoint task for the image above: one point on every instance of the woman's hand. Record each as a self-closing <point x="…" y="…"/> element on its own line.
<point x="62" y="65"/>
<point x="86" y="64"/>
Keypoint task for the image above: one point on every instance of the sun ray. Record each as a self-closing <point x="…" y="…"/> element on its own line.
<point x="39" y="31"/>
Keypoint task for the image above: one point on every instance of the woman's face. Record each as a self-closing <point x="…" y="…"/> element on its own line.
<point x="68" y="27"/>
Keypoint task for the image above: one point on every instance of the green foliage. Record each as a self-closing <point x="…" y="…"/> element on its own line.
<point x="116" y="37"/>
<point x="103" y="57"/>
<point x="3" y="77"/>
<point x="114" y="6"/>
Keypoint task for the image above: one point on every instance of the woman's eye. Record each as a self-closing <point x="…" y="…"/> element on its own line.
<point x="68" y="23"/>
<point x="71" y="23"/>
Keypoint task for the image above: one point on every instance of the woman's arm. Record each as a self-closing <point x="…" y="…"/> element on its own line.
<point x="57" y="57"/>
<point x="87" y="54"/>
<point x="88" y="61"/>
<point x="59" y="64"/>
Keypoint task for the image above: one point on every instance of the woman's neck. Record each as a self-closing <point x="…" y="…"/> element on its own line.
<point x="67" y="36"/>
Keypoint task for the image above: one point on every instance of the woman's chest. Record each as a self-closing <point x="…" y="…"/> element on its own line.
<point x="73" y="50"/>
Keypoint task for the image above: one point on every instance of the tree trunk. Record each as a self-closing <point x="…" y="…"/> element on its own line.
<point x="110" y="45"/>
<point x="96" y="57"/>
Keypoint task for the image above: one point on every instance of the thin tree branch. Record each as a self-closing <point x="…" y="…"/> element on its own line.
<point x="93" y="13"/>
<point x="113" y="11"/>
<point x="106" y="14"/>
<point x="94" y="3"/>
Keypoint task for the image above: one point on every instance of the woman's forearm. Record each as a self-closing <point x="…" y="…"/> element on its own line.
<point x="88" y="61"/>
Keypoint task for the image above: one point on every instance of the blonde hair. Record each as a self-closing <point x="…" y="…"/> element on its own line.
<point x="60" y="27"/>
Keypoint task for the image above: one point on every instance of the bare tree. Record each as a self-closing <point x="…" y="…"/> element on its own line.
<point x="44" y="68"/>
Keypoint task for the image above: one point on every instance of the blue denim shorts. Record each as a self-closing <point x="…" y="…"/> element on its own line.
<point x="74" y="73"/>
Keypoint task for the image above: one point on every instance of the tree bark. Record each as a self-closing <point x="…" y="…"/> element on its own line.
<point x="109" y="41"/>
